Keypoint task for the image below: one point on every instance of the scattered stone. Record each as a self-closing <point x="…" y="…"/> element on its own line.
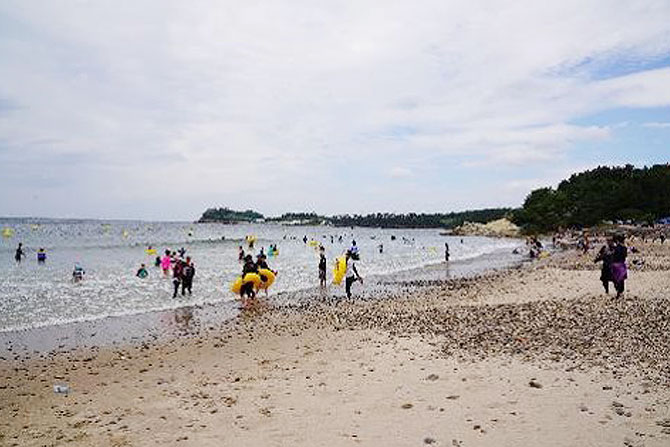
<point x="406" y="406"/>
<point x="534" y="384"/>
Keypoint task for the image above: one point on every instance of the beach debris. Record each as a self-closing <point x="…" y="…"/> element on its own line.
<point x="534" y="384"/>
<point x="62" y="389"/>
<point x="428" y="440"/>
<point x="432" y="377"/>
<point x="406" y="406"/>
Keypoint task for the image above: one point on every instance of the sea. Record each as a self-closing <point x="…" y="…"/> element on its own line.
<point x="37" y="295"/>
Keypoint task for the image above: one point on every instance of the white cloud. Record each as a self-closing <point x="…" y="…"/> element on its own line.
<point x="267" y="105"/>
<point x="398" y="172"/>
<point x="656" y="125"/>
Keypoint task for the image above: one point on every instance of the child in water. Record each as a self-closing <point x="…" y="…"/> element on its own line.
<point x="78" y="273"/>
<point x="142" y="272"/>
<point x="165" y="263"/>
<point x="41" y="256"/>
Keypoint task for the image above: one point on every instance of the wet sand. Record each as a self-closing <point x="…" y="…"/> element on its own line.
<point x="535" y="355"/>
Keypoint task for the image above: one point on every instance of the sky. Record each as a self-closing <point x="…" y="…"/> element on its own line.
<point x="161" y="109"/>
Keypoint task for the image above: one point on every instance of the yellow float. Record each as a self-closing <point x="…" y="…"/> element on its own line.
<point x="270" y="278"/>
<point x="339" y="270"/>
<point x="249" y="277"/>
<point x="7" y="232"/>
<point x="150" y="251"/>
<point x="313" y="243"/>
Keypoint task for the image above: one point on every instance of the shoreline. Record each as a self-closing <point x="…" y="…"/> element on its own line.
<point x="534" y="355"/>
<point x="111" y="330"/>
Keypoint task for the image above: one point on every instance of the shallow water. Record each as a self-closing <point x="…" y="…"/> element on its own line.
<point x="33" y="295"/>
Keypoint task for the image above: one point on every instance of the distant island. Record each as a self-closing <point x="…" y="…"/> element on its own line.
<point x="622" y="194"/>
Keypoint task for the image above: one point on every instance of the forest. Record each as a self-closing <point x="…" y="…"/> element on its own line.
<point x="614" y="194"/>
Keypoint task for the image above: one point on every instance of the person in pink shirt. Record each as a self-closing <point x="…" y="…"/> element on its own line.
<point x="165" y="263"/>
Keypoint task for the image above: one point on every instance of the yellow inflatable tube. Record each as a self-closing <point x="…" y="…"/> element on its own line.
<point x="339" y="270"/>
<point x="269" y="278"/>
<point x="236" y="286"/>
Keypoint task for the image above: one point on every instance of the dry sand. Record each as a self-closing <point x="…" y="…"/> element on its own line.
<point x="532" y="356"/>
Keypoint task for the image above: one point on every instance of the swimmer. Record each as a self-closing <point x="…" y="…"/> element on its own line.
<point x="157" y="261"/>
<point x="41" y="256"/>
<point x="78" y="273"/>
<point x="381" y="249"/>
<point x="19" y="253"/>
<point x="240" y="254"/>
<point x="142" y="272"/>
<point x="182" y="252"/>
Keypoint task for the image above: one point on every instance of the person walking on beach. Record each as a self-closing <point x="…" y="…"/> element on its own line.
<point x="605" y="255"/>
<point x="619" y="269"/>
<point x="352" y="274"/>
<point x="322" y="267"/>
<point x="187" y="277"/>
<point x="446" y="252"/>
<point x="19" y="253"/>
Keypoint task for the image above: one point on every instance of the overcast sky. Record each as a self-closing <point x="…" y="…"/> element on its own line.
<point x="158" y="109"/>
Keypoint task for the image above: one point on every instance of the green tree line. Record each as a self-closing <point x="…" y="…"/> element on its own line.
<point x="588" y="198"/>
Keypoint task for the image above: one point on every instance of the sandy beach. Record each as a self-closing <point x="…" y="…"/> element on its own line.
<point x="534" y="355"/>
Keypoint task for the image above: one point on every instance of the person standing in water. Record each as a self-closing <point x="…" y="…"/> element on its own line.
<point x="177" y="276"/>
<point x="19" y="253"/>
<point x="352" y="274"/>
<point x="605" y="255"/>
<point x="446" y="252"/>
<point x="41" y="256"/>
<point x="166" y="263"/>
<point x="619" y="269"/>
<point x="187" y="276"/>
<point x="322" y="267"/>
<point x="248" y="287"/>
<point x="240" y="254"/>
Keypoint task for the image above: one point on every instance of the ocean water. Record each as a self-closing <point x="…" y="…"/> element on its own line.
<point x="36" y="295"/>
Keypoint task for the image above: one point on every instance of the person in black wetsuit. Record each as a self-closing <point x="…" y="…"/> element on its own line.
<point x="19" y="253"/>
<point x="619" y="269"/>
<point x="188" y="272"/>
<point x="322" y="267"/>
<point x="605" y="255"/>
<point x="446" y="252"/>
